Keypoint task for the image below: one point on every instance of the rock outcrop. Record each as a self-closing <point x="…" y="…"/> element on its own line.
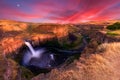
<point x="99" y="60"/>
<point x="103" y="65"/>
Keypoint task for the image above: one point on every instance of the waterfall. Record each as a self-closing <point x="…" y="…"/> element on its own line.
<point x="34" y="53"/>
<point x="37" y="57"/>
<point x="30" y="48"/>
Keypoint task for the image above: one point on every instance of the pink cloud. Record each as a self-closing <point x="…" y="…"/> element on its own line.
<point x="63" y="11"/>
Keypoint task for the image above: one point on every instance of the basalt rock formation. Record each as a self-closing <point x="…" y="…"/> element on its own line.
<point x="103" y="65"/>
<point x="98" y="56"/>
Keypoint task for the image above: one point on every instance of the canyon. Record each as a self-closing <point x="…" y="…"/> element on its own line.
<point x="88" y="50"/>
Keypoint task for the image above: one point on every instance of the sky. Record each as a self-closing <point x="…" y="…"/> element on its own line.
<point x="60" y="11"/>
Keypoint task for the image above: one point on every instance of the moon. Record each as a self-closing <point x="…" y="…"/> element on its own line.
<point x="18" y="5"/>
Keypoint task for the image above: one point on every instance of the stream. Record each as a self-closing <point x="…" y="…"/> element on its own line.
<point x="42" y="59"/>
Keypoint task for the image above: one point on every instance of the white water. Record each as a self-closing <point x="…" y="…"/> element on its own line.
<point x="32" y="53"/>
<point x="30" y="48"/>
<point x="35" y="53"/>
<point x="52" y="56"/>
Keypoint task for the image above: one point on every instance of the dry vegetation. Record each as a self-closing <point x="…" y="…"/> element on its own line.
<point x="13" y="33"/>
<point x="12" y="25"/>
<point x="104" y="65"/>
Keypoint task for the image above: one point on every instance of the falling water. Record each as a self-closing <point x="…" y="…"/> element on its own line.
<point x="37" y="57"/>
<point x="43" y="57"/>
<point x="46" y="58"/>
<point x="35" y="53"/>
<point x="31" y="53"/>
<point x="30" y="48"/>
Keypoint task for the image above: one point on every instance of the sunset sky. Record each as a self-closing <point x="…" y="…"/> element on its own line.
<point x="60" y="11"/>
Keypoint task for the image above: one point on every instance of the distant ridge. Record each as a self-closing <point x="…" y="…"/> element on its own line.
<point x="90" y="22"/>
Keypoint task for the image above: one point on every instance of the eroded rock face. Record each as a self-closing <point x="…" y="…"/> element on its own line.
<point x="12" y="71"/>
<point x="103" y="65"/>
<point x="14" y="35"/>
<point x="7" y="25"/>
<point x="12" y="39"/>
<point x="3" y="66"/>
<point x="11" y="44"/>
<point x="93" y="64"/>
<point x="36" y="33"/>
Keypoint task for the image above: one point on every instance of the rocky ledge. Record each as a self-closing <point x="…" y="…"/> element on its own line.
<point x="97" y="58"/>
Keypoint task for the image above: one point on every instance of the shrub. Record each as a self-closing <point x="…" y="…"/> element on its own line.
<point x="115" y="26"/>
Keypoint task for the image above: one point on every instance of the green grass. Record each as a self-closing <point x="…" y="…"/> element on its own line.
<point x="26" y="73"/>
<point x="114" y="29"/>
<point x="67" y="44"/>
<point x="112" y="33"/>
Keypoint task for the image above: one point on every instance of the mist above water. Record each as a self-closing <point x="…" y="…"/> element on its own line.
<point x="37" y="57"/>
<point x="44" y="57"/>
<point x="34" y="53"/>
